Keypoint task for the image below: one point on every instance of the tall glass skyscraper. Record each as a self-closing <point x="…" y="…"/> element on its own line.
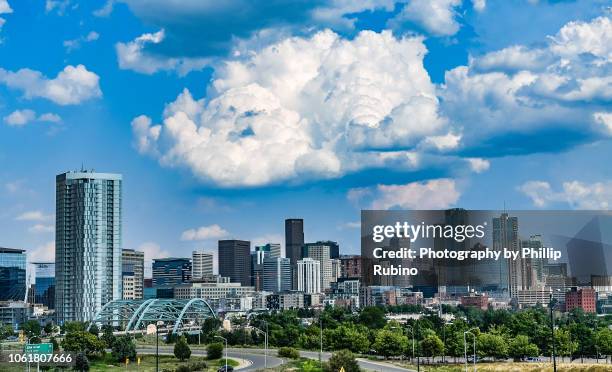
<point x="87" y="243"/>
<point x="12" y="274"/>
<point x="44" y="287"/>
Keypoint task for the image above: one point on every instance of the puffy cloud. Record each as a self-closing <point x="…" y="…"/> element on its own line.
<point x="478" y="165"/>
<point x="506" y="96"/>
<point x="433" y="194"/>
<point x="72" y="85"/>
<point x="23" y="117"/>
<point x="479" y="5"/>
<point x="605" y="119"/>
<point x="34" y="216"/>
<point x="40" y="228"/>
<point x="204" y="233"/>
<point x="317" y="107"/>
<point x="43" y="253"/>
<point x="133" y="56"/>
<point x="5" y="8"/>
<point x="71" y="45"/>
<point x="151" y="251"/>
<point x="437" y="17"/>
<point x="576" y="194"/>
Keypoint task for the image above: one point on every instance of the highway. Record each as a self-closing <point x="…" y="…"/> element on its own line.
<point x="256" y="358"/>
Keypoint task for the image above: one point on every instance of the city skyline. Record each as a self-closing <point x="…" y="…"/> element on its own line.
<point x="113" y="80"/>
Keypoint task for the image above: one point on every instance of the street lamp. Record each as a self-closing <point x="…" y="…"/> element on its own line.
<point x="225" y="339"/>
<point x="412" y="331"/>
<point x="465" y="347"/>
<point x="265" y="343"/>
<point x="552" y="330"/>
<point x="157" y="325"/>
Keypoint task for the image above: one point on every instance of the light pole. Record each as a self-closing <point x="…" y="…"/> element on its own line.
<point x="157" y="325"/>
<point x="265" y="344"/>
<point x="321" y="339"/>
<point x="412" y="331"/>
<point x="225" y="339"/>
<point x="552" y="331"/>
<point x="465" y="348"/>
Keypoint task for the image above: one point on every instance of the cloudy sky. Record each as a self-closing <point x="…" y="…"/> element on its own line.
<point x="225" y="118"/>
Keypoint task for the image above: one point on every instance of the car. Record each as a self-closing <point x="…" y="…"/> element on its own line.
<point x="223" y="369"/>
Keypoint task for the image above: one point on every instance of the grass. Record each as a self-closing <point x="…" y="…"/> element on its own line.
<point x="147" y="363"/>
<point x="517" y="367"/>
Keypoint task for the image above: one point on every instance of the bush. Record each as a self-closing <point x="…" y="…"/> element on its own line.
<point x="123" y="348"/>
<point x="340" y="359"/>
<point x="181" y="349"/>
<point x="183" y="368"/>
<point x="198" y="366"/>
<point x="81" y="363"/>
<point x="288" y="352"/>
<point x="214" y="350"/>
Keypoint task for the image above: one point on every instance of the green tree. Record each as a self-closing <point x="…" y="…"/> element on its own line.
<point x="107" y="336"/>
<point x="603" y="340"/>
<point x="348" y="336"/>
<point x="288" y="352"/>
<point x="390" y="342"/>
<point x="520" y="348"/>
<point x="69" y="327"/>
<point x="81" y="363"/>
<point x="6" y="330"/>
<point x="491" y="345"/>
<point x="31" y="328"/>
<point x="93" y="329"/>
<point x="49" y="328"/>
<point x="82" y="341"/>
<point x="181" y="349"/>
<point x="432" y="346"/>
<point x="123" y="348"/>
<point x="564" y="344"/>
<point x="342" y="359"/>
<point x="372" y="317"/>
<point x="56" y="346"/>
<point x="214" y="350"/>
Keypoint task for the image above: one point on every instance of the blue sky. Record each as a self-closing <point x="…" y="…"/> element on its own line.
<point x="225" y="119"/>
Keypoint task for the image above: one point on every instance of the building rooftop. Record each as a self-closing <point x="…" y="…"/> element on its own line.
<point x="11" y="250"/>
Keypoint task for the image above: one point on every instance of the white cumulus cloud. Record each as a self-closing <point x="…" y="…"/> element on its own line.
<point x="34" y="216"/>
<point x="437" y="17"/>
<point x="576" y="194"/>
<point x="23" y="117"/>
<point x="204" y="233"/>
<point x="43" y="253"/>
<point x="40" y="228"/>
<point x="318" y="107"/>
<point x="73" y="85"/>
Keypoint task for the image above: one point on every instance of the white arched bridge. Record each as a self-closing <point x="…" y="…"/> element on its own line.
<point x="134" y="316"/>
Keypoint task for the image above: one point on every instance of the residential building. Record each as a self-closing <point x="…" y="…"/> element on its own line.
<point x="350" y="266"/>
<point x="479" y="300"/>
<point x="87" y="243"/>
<point x="309" y="275"/>
<point x="320" y="251"/>
<point x="235" y="260"/>
<point x="15" y="313"/>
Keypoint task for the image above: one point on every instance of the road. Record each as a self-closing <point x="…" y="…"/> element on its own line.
<point x="256" y="357"/>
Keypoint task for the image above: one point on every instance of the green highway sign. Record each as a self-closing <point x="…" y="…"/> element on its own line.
<point x="38" y="349"/>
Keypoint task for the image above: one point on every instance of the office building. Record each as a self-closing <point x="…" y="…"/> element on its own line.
<point x="87" y="243"/>
<point x="235" y="260"/>
<point x="581" y="298"/>
<point x="309" y="275"/>
<point x="294" y="239"/>
<point x="133" y="274"/>
<point x="505" y="236"/>
<point x="202" y="264"/>
<point x="12" y="274"/>
<point x="169" y="272"/>
<point x="321" y="252"/>
<point x="44" y="287"/>
<point x="257" y="259"/>
<point x="276" y="274"/>
<point x="15" y="313"/>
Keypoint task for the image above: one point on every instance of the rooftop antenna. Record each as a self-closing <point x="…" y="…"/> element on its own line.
<point x="82" y="168"/>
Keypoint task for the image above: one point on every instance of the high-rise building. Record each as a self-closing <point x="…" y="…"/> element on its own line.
<point x="257" y="259"/>
<point x="202" y="265"/>
<point x="350" y="266"/>
<point x="505" y="236"/>
<point x="276" y="274"/>
<point x="87" y="243"/>
<point x="133" y="274"/>
<point x="321" y="253"/>
<point x="44" y="288"/>
<point x="294" y="239"/>
<point x="169" y="272"/>
<point x="235" y="260"/>
<point x="309" y="275"/>
<point x="12" y="274"/>
<point x="274" y="249"/>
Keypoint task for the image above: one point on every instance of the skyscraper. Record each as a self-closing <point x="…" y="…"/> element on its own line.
<point x="87" y="243"/>
<point x="44" y="288"/>
<point x="235" y="260"/>
<point x="133" y="274"/>
<point x="276" y="274"/>
<point x="321" y="253"/>
<point x="294" y="239"/>
<point x="257" y="259"/>
<point x="202" y="264"/>
<point x="505" y="236"/>
<point x="309" y="275"/>
<point x="12" y="274"/>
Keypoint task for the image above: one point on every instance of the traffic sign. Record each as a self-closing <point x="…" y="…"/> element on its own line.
<point x="38" y="348"/>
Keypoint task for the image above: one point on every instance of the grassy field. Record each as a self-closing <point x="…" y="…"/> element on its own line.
<point x="147" y="363"/>
<point x="518" y="367"/>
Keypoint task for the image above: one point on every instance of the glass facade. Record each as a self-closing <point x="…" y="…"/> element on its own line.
<point x="12" y="274"/>
<point x="88" y="243"/>
<point x="44" y="288"/>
